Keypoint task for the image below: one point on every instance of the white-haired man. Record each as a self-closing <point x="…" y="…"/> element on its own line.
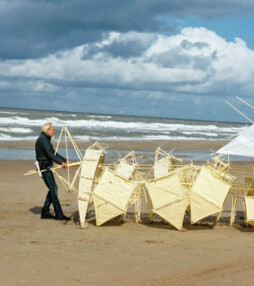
<point x="45" y="155"/>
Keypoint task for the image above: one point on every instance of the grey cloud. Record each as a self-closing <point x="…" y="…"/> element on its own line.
<point x="128" y="45"/>
<point x="188" y="45"/>
<point x="30" y="29"/>
<point x="171" y="58"/>
<point x="203" y="63"/>
<point x="176" y="57"/>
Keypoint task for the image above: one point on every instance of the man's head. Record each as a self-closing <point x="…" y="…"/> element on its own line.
<point x="48" y="128"/>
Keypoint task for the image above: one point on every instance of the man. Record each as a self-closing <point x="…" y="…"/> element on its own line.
<point x="45" y="155"/>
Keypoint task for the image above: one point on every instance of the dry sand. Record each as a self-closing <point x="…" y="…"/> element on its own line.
<point x="48" y="252"/>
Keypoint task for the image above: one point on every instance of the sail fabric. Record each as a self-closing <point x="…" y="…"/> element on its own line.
<point x="87" y="174"/>
<point x="207" y="195"/>
<point x="161" y="168"/>
<point x="125" y="169"/>
<point x="242" y="145"/>
<point x="111" y="196"/>
<point x="174" y="213"/>
<point x="169" y="199"/>
<point x="249" y="209"/>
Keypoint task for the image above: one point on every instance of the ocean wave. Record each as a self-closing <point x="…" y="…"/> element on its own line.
<point x="66" y="114"/>
<point x="209" y="134"/>
<point x="12" y="112"/>
<point x="7" y="137"/>
<point x="24" y="121"/>
<point x="140" y="138"/>
<point x="100" y="116"/>
<point x="16" y="130"/>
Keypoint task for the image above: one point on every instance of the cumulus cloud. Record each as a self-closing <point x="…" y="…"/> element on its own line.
<point x="30" y="29"/>
<point x="195" y="61"/>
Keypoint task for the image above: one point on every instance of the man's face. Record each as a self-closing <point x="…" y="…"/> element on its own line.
<point x="51" y="131"/>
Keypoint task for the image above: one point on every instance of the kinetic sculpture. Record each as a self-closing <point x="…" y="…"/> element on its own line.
<point x="175" y="190"/>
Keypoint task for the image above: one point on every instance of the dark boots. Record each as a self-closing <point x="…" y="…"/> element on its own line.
<point x="62" y="217"/>
<point x="45" y="214"/>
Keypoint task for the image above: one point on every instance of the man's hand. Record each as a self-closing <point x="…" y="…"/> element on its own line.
<point x="64" y="165"/>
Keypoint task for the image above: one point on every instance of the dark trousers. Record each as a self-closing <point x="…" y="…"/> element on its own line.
<point x="52" y="196"/>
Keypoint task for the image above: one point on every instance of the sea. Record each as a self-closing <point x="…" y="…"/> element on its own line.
<point x="25" y="125"/>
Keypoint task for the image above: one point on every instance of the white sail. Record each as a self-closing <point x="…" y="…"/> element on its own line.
<point x="242" y="145"/>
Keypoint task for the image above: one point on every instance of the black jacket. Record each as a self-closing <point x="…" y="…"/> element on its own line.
<point x="45" y="152"/>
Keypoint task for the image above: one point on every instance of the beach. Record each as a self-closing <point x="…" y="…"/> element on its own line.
<point x="49" y="252"/>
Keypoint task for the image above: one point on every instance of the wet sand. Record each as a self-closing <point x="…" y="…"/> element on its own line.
<point x="134" y="145"/>
<point x="48" y="252"/>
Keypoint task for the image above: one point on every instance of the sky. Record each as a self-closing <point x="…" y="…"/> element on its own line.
<point x="162" y="58"/>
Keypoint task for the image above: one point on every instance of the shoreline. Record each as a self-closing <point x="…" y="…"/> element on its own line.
<point x="194" y="150"/>
<point x="149" y="145"/>
<point x="190" y="151"/>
